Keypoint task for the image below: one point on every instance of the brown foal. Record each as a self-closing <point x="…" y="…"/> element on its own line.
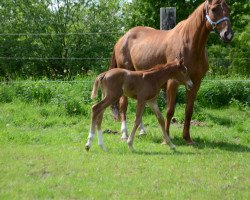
<point x="140" y="85"/>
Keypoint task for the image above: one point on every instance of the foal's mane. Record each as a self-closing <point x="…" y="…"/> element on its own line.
<point x="170" y="66"/>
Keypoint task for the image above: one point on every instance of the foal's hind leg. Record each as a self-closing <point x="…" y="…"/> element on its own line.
<point x="123" y="103"/>
<point x="153" y="105"/>
<point x="139" y="110"/>
<point x="100" y="136"/>
<point x="97" y="109"/>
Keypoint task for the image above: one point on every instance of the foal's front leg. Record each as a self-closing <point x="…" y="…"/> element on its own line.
<point x="154" y="107"/>
<point x="139" y="110"/>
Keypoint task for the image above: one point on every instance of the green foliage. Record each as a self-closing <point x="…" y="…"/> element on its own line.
<point x="220" y="93"/>
<point x="43" y="31"/>
<point x="74" y="107"/>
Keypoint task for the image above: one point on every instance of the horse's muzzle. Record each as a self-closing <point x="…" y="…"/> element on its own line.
<point x="227" y="35"/>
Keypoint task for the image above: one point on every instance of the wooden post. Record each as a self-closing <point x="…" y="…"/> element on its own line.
<point x="167" y="18"/>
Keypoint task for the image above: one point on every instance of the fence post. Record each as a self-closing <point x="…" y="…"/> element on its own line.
<point x="167" y="18"/>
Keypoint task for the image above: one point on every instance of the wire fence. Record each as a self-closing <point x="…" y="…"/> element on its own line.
<point x="90" y="82"/>
<point x="81" y="58"/>
<point x="76" y="33"/>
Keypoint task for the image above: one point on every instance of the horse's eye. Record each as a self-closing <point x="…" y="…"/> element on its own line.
<point x="214" y="9"/>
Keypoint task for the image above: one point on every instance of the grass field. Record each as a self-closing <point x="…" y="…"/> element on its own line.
<point x="43" y="157"/>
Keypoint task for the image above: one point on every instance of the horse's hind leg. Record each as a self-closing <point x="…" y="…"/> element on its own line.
<point x="123" y="103"/>
<point x="154" y="107"/>
<point x="171" y="97"/>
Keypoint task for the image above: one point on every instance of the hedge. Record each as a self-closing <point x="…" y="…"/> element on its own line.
<point x="75" y="95"/>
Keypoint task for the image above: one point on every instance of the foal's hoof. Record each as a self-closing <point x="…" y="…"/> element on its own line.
<point x="103" y="147"/>
<point x="87" y="147"/>
<point x="131" y="148"/>
<point x="172" y="146"/>
<point x="142" y="133"/>
<point x="124" y="139"/>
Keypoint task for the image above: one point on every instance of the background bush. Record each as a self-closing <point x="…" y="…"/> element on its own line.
<point x="74" y="97"/>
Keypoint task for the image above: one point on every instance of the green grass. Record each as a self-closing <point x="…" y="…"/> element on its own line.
<point x="42" y="156"/>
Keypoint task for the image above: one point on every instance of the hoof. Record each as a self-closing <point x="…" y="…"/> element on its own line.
<point x="172" y="146"/>
<point x="87" y="147"/>
<point x="142" y="133"/>
<point x="103" y="147"/>
<point x="190" y="142"/>
<point x="124" y="139"/>
<point x="131" y="148"/>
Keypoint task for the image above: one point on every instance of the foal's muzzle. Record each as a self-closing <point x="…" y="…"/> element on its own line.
<point x="189" y="85"/>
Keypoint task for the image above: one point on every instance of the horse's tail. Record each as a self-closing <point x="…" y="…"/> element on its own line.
<point x="115" y="105"/>
<point x="96" y="84"/>
<point x="113" y="63"/>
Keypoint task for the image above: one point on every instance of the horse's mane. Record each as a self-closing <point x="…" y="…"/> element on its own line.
<point x="194" y="20"/>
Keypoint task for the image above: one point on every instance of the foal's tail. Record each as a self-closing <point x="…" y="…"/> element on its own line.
<point x="96" y="84"/>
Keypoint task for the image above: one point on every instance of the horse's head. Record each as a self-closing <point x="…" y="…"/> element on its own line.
<point x="182" y="75"/>
<point x="217" y="15"/>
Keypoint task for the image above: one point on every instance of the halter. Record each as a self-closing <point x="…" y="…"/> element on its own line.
<point x="214" y="24"/>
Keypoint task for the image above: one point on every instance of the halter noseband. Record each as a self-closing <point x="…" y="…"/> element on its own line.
<point x="214" y="24"/>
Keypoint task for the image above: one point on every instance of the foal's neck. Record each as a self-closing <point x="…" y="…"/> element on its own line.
<point x="160" y="75"/>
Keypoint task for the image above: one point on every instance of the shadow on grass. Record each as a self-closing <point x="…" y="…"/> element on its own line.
<point x="157" y="153"/>
<point x="222" y="121"/>
<point x="205" y="143"/>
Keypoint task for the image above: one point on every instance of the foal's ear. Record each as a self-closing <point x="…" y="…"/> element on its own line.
<point x="181" y="61"/>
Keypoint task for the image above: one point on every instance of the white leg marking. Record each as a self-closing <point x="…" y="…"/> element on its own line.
<point x="124" y="130"/>
<point x="90" y="139"/>
<point x="142" y="129"/>
<point x="100" y="140"/>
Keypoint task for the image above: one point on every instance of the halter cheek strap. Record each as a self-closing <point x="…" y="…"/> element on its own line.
<point x="214" y="24"/>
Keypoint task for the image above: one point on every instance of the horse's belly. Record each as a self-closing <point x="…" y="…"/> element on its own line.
<point x="145" y="56"/>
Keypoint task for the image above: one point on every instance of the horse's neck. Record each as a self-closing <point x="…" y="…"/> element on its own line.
<point x="194" y="32"/>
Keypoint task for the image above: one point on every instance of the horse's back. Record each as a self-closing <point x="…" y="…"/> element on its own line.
<point x="138" y="48"/>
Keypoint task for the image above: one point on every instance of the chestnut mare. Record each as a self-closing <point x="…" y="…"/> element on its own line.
<point x="144" y="47"/>
<point x="140" y="85"/>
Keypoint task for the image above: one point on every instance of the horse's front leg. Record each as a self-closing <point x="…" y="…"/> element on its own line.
<point x="190" y="98"/>
<point x="139" y="110"/>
